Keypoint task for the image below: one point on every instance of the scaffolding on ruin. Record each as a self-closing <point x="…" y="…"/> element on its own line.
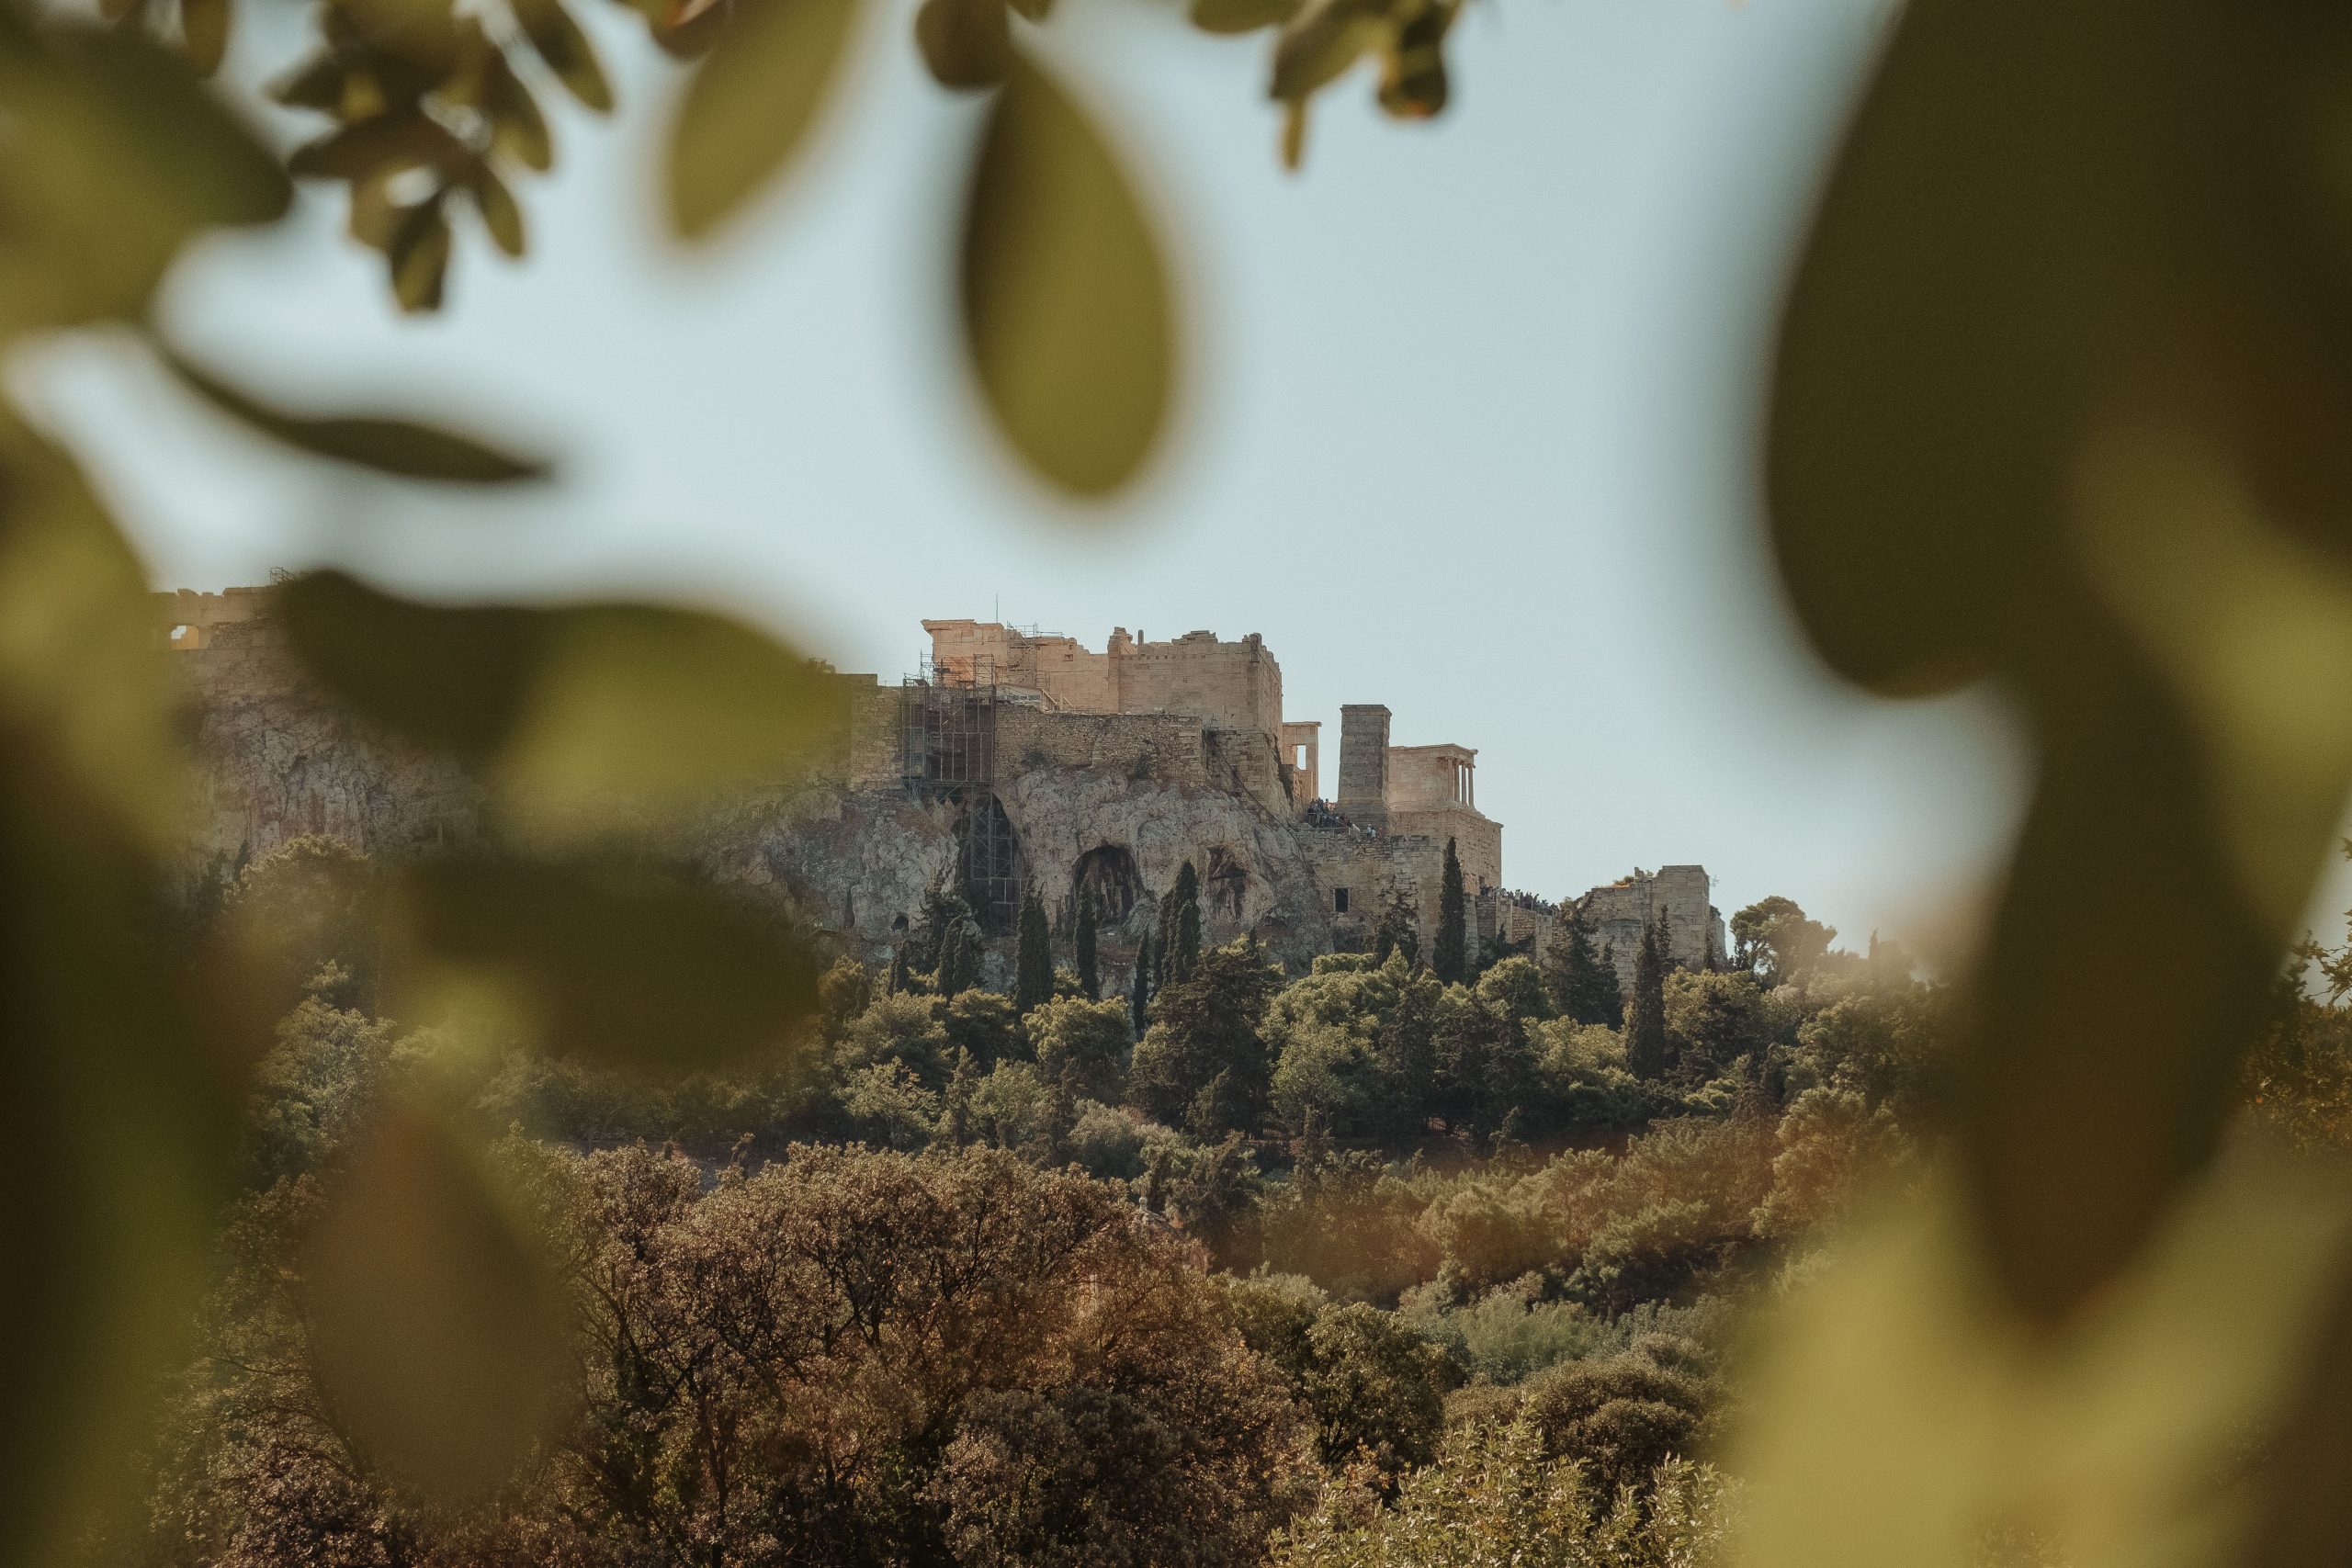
<point x="947" y="753"/>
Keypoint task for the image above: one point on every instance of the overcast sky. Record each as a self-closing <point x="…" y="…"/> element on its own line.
<point x="1470" y="431"/>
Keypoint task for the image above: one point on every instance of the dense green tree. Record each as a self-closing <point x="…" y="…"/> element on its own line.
<point x="1450" y="953"/>
<point x="1583" y="984"/>
<point x="1090" y="975"/>
<point x="1376" y="1389"/>
<point x="902" y="978"/>
<point x="1774" y="939"/>
<point x="1485" y="1066"/>
<point x="843" y="991"/>
<point x="1623" y="1417"/>
<point x="903" y="1028"/>
<point x="1405" y="1048"/>
<point x="1033" y="955"/>
<point x="1206" y="1025"/>
<point x="1399" y="931"/>
<point x="1071" y="1035"/>
<point x="984" y="1024"/>
<point x="1649" y="1052"/>
<point x="1514" y="987"/>
<point x="1715" y="1017"/>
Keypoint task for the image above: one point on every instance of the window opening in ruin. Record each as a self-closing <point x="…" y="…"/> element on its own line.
<point x="1339" y="900"/>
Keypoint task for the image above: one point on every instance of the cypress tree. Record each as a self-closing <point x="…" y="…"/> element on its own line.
<point x="1185" y="895"/>
<point x="1062" y="1115"/>
<point x="1450" y="954"/>
<point x="1646" y="1049"/>
<point x="1033" y="956"/>
<point x="1089" y="978"/>
<point x="959" y="967"/>
<point x="1187" y="956"/>
<point x="1142" y="999"/>
<point x="1399" y="931"/>
<point x="900" y="980"/>
<point x="956" y="1116"/>
<point x="1582" y="983"/>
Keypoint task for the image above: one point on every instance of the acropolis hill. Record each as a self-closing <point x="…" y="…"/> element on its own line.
<point x="1011" y="758"/>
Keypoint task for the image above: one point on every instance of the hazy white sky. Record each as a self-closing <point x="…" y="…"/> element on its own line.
<point x="1470" y="433"/>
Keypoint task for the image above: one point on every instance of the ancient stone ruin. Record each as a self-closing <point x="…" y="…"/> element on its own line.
<point x="1011" y="757"/>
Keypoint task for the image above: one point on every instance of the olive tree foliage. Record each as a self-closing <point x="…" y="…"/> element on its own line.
<point x="845" y="1357"/>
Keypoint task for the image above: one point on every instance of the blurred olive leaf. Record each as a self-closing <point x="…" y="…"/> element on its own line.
<point x="2009" y="333"/>
<point x="119" y="1100"/>
<point x="115" y="156"/>
<point x="566" y="50"/>
<point x="500" y="214"/>
<point x="1321" y="40"/>
<point x="419" y="253"/>
<point x="966" y="43"/>
<point x="1898" y="1411"/>
<point x="401" y="447"/>
<point x="579" y="715"/>
<point x="80" y="655"/>
<point x="1240" y="15"/>
<point x="1067" y="315"/>
<point x="204" y="32"/>
<point x="438" y="1330"/>
<point x="752" y="104"/>
<point x="611" y="961"/>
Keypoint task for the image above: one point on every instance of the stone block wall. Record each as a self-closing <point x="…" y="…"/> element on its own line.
<point x="1694" y="927"/>
<point x="1479" y="841"/>
<point x="1364" y="763"/>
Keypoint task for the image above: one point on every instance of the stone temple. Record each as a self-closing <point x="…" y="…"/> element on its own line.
<point x="1011" y="758"/>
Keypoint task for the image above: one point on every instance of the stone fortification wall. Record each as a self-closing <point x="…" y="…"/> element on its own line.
<point x="1479" y="841"/>
<point x="1694" y="927"/>
<point x="1160" y="748"/>
<point x="1225" y="685"/>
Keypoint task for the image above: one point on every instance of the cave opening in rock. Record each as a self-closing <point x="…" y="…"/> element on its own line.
<point x="1108" y="873"/>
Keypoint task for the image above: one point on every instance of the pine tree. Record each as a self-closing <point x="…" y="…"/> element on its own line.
<point x="1648" y="1052"/>
<point x="1141" y="1002"/>
<point x="1450" y="954"/>
<point x="1187" y="956"/>
<point x="1089" y="978"/>
<point x="1583" y="984"/>
<point x="1032" y="957"/>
